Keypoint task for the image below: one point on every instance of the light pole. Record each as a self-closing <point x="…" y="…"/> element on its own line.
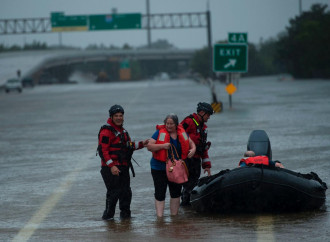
<point x="148" y="24"/>
<point x="209" y="39"/>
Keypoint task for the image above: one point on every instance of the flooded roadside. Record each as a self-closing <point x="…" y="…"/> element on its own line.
<point x="49" y="137"/>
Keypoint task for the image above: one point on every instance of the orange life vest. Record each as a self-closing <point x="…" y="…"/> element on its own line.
<point x="256" y="160"/>
<point x="164" y="137"/>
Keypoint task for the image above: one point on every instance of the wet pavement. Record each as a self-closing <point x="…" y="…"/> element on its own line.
<point x="51" y="188"/>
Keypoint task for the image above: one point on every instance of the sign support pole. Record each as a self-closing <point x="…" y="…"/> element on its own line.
<point x="209" y="42"/>
<point x="60" y="38"/>
<point x="148" y="24"/>
<point x="230" y="101"/>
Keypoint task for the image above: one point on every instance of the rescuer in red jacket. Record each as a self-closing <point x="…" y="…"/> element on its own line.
<point x="115" y="149"/>
<point x="196" y="128"/>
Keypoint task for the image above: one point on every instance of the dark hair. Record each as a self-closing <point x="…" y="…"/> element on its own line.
<point x="173" y="117"/>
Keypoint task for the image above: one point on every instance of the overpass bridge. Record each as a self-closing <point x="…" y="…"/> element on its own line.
<point x="121" y="64"/>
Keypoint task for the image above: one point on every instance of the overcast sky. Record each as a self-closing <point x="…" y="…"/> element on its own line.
<point x="261" y="19"/>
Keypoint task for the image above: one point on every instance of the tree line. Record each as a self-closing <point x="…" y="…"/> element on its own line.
<point x="302" y="50"/>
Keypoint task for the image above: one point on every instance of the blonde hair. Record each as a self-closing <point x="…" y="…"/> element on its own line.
<point x="249" y="153"/>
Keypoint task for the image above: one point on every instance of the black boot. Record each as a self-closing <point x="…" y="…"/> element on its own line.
<point x="124" y="214"/>
<point x="185" y="198"/>
<point x="109" y="211"/>
<point x="125" y="203"/>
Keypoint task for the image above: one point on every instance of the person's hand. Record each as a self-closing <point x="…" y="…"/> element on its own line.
<point x="145" y="143"/>
<point x="208" y="170"/>
<point x="166" y="146"/>
<point x="115" y="171"/>
<point x="279" y="165"/>
<point x="191" y="153"/>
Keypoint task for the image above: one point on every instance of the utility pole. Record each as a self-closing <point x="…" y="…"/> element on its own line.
<point x="209" y="39"/>
<point x="148" y="24"/>
<point x="300" y="7"/>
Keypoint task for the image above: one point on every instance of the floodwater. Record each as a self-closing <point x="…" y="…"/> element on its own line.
<point x="51" y="188"/>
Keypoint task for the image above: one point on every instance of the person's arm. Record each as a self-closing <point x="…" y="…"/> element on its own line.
<point x="105" y="137"/>
<point x="105" y="140"/>
<point x="192" y="148"/>
<point x="206" y="163"/>
<point x="278" y="164"/>
<point x="152" y="146"/>
<point x="140" y="144"/>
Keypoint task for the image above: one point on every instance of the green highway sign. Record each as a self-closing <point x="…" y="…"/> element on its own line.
<point x="115" y="21"/>
<point x="230" y="58"/>
<point x="238" y="38"/>
<point x="60" y="22"/>
<point x="124" y="64"/>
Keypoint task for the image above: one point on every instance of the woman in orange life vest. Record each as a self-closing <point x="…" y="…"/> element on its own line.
<point x="251" y="159"/>
<point x="169" y="133"/>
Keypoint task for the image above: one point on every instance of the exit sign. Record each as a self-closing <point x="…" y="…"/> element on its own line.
<point x="230" y="58"/>
<point x="238" y="38"/>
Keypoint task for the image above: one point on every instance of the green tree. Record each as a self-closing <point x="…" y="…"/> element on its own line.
<point x="35" y="46"/>
<point x="127" y="47"/>
<point x="159" y="44"/>
<point x="267" y="56"/>
<point x="200" y="62"/>
<point x="305" y="50"/>
<point x="262" y="59"/>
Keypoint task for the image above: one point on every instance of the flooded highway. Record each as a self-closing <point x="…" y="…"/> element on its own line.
<point x="52" y="190"/>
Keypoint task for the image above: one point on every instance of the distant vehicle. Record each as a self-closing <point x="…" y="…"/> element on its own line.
<point x="47" y="78"/>
<point x="13" y="85"/>
<point x="285" y="77"/>
<point x="27" y="82"/>
<point x="162" y="76"/>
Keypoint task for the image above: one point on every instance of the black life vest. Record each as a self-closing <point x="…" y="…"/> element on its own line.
<point x="119" y="149"/>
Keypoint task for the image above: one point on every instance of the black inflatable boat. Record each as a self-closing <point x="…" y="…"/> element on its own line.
<point x="259" y="188"/>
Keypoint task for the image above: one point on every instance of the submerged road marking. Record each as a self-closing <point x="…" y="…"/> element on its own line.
<point x="32" y="225"/>
<point x="265" y="228"/>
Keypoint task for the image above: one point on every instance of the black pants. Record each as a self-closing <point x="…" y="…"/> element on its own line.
<point x="161" y="182"/>
<point x="194" y="168"/>
<point x="118" y="188"/>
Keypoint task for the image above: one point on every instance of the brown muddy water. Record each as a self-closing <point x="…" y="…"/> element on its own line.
<point x="51" y="188"/>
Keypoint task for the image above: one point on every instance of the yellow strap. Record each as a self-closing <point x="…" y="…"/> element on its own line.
<point x="195" y="121"/>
